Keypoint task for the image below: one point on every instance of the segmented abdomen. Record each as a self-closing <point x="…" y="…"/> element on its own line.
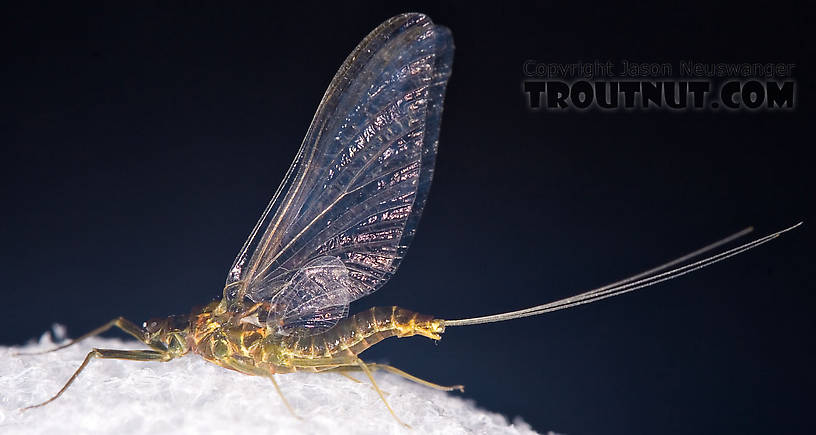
<point x="354" y="334"/>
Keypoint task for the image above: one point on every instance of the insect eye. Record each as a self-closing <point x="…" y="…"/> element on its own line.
<point x="152" y="325"/>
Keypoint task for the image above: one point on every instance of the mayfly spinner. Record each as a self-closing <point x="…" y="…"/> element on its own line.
<point x="338" y="227"/>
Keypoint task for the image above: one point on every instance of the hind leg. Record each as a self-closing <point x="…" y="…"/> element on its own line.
<point x="366" y="370"/>
<point x="413" y="378"/>
<point x="410" y="377"/>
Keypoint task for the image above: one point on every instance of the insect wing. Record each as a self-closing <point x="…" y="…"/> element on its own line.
<point x="313" y="300"/>
<point x="356" y="188"/>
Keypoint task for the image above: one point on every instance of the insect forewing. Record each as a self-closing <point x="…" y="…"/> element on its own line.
<point x="359" y="181"/>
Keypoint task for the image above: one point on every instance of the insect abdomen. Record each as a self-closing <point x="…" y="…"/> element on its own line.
<point x="354" y="334"/>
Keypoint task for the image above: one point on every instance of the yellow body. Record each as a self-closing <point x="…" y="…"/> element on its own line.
<point x="239" y="341"/>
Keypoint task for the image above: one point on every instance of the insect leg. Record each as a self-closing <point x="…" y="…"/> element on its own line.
<point x="244" y="367"/>
<point x="413" y="378"/>
<point x="134" y="355"/>
<point x="119" y="322"/>
<point x="285" y="402"/>
<point x="365" y="369"/>
<point x="348" y="376"/>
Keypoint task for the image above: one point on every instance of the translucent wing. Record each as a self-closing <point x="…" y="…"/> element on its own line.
<point x="359" y="181"/>
<point x="314" y="299"/>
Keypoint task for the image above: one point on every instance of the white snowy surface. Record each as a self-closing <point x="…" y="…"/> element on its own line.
<point x="189" y="395"/>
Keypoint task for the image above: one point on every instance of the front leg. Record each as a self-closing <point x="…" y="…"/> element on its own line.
<point x="133" y="355"/>
<point x="120" y="322"/>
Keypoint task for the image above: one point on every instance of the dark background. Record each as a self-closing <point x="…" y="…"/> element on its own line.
<point x="140" y="145"/>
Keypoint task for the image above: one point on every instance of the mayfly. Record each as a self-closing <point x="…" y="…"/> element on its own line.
<point x="338" y="227"/>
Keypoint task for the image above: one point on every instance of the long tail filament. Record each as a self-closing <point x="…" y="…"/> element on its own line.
<point x="644" y="279"/>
